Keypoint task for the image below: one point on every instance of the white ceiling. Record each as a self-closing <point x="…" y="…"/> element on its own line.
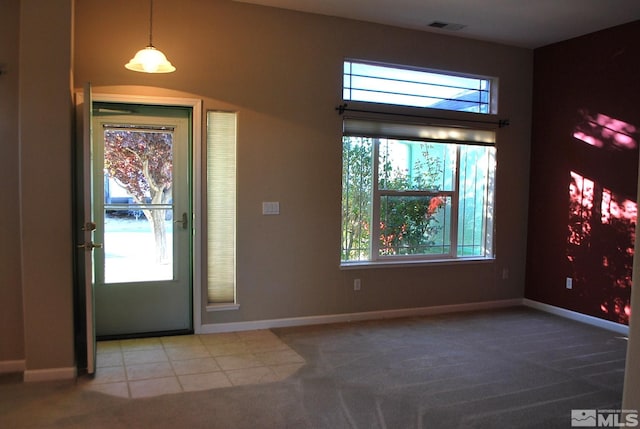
<point x="523" y="23"/>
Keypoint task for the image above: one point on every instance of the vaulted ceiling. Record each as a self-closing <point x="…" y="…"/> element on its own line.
<point x="522" y="23"/>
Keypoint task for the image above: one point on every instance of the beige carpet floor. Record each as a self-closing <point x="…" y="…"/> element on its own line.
<point x="510" y="368"/>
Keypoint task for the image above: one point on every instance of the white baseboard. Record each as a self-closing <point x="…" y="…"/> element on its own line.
<point x="7" y="366"/>
<point x="573" y="315"/>
<point x="214" y="328"/>
<point x="50" y="374"/>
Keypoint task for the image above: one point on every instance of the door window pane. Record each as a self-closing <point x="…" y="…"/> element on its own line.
<point x="130" y="247"/>
<point x="138" y="204"/>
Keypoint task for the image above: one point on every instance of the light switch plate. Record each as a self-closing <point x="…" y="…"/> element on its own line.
<point x="270" y="207"/>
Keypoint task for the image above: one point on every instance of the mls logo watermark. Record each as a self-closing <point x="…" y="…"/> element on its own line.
<point x="604" y="418"/>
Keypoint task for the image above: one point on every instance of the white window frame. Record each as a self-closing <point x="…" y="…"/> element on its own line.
<point x="401" y="122"/>
<point x="378" y="194"/>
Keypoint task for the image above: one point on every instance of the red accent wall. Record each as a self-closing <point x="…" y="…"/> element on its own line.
<point x="584" y="164"/>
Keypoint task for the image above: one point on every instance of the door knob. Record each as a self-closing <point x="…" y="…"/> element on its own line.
<point x="89" y="246"/>
<point x="183" y="221"/>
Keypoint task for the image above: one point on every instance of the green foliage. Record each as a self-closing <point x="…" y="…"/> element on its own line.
<point x="408" y="224"/>
<point x="357" y="182"/>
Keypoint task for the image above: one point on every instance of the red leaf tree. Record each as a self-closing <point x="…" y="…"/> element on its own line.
<point x="142" y="163"/>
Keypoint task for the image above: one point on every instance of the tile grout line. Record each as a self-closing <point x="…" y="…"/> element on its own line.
<point x="173" y="369"/>
<point x="126" y="375"/>
<point x="256" y="349"/>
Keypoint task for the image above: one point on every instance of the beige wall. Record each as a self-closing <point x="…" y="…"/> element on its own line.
<point x="36" y="311"/>
<point x="631" y="393"/>
<point x="11" y="328"/>
<point x="45" y="125"/>
<point x="281" y="71"/>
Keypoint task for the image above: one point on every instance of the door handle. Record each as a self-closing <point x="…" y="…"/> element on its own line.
<point x="183" y="221"/>
<point x="89" y="246"/>
<point x="89" y="226"/>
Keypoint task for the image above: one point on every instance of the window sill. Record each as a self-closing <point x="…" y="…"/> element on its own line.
<point x="222" y="307"/>
<point x="412" y="263"/>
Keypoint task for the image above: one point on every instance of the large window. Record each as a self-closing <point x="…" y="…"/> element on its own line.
<point x="415" y="191"/>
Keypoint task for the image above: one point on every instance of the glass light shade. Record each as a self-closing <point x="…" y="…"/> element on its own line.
<point x="150" y="60"/>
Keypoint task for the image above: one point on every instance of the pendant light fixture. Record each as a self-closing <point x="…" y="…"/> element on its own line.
<point x="150" y="59"/>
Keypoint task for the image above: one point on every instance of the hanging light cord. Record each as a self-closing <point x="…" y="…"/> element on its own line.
<point x="150" y="21"/>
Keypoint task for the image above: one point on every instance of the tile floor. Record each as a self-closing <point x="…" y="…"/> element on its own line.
<point x="155" y="366"/>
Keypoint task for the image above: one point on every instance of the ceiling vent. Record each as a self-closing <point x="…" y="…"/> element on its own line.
<point x="446" y="26"/>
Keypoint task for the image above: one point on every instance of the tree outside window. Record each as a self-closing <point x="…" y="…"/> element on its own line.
<point x="141" y="162"/>
<point x="414" y="199"/>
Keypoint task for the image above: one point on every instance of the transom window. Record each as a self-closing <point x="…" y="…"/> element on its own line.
<point x="412" y="190"/>
<point x="409" y="87"/>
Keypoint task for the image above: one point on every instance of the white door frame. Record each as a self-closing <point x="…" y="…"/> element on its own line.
<point x="196" y="176"/>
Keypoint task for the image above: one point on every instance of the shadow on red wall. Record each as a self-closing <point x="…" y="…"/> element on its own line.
<point x="602" y="225"/>
<point x="584" y="140"/>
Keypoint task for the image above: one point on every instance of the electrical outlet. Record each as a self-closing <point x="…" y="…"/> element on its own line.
<point x="505" y="273"/>
<point x="569" y="283"/>
<point x="356" y="284"/>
